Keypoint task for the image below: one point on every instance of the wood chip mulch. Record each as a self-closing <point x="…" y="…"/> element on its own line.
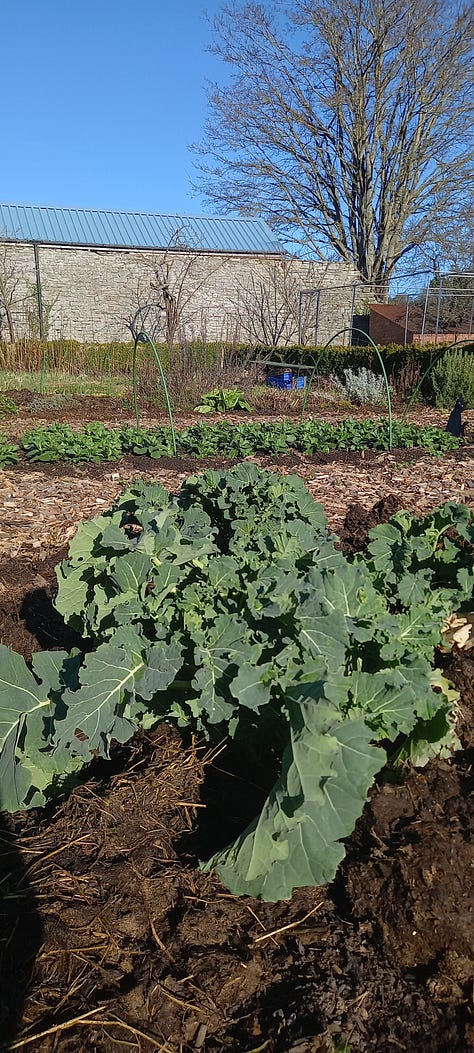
<point x="40" y="509"/>
<point x="41" y="505"/>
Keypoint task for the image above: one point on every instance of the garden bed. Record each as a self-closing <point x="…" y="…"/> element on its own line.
<point x="114" y="939"/>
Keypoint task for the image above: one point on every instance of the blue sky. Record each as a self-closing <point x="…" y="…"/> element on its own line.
<point x="101" y="101"/>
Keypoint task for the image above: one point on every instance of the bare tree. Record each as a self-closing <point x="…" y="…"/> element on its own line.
<point x="451" y="242"/>
<point x="13" y="295"/>
<point x="346" y="123"/>
<point x="169" y="302"/>
<point x="267" y="306"/>
<point x="145" y="312"/>
<point x="175" y="282"/>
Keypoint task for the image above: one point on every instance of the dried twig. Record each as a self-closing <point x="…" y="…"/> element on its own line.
<point x="292" y="925"/>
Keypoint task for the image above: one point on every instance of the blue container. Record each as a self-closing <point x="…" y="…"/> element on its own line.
<point x="285" y="381"/>
<point x="281" y="380"/>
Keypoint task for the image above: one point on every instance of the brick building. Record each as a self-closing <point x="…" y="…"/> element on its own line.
<point x="399" y="323"/>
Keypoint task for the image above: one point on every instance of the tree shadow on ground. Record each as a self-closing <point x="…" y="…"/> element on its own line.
<point x="20" y="932"/>
<point x="42" y="620"/>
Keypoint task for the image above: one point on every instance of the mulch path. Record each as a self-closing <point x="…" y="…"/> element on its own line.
<point x="41" y="504"/>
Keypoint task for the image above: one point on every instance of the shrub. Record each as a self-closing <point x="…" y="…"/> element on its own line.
<point x="223" y="400"/>
<point x="46" y="403"/>
<point x="8" y="407"/>
<point x="453" y="378"/>
<point x="361" y="387"/>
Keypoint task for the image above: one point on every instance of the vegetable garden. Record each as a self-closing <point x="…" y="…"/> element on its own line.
<point x="235" y="741"/>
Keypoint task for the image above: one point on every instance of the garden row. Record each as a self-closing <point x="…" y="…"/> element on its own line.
<point x="229" y="610"/>
<point x="96" y="443"/>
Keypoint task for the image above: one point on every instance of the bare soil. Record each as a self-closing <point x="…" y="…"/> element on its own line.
<point x="112" y="939"/>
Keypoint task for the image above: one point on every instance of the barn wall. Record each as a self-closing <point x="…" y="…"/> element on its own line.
<point x="91" y="294"/>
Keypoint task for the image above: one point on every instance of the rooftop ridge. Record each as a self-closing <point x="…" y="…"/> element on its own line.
<point x="134" y="212"/>
<point x="122" y="228"/>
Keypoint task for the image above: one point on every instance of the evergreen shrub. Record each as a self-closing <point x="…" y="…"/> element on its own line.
<point x="453" y="378"/>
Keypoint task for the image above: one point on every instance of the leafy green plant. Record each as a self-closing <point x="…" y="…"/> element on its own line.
<point x="8" y="408"/>
<point x="423" y="560"/>
<point x="96" y="443"/>
<point x="50" y="443"/>
<point x="223" y="400"/>
<point x="58" y="442"/>
<point x="8" y="451"/>
<point x="228" y="609"/>
<point x="453" y="377"/>
<point x="149" y="442"/>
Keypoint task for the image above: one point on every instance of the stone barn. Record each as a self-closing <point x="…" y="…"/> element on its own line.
<point x="94" y="275"/>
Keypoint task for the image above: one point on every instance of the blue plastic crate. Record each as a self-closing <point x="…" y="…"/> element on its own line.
<point x="281" y="380"/>
<point x="285" y="381"/>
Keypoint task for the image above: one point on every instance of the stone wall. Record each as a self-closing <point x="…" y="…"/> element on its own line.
<point x="95" y="294"/>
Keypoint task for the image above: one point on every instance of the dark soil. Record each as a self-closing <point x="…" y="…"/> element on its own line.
<point x="68" y="409"/>
<point x="112" y="939"/>
<point x="190" y="465"/>
<point x="78" y="409"/>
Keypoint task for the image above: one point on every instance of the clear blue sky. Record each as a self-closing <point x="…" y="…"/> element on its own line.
<point x="101" y="101"/>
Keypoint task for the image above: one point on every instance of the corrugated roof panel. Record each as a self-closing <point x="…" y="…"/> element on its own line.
<point x="146" y="230"/>
<point x="83" y="230"/>
<point x="111" y="229"/>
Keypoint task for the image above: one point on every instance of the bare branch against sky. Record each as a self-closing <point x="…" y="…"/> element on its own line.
<point x="346" y="123"/>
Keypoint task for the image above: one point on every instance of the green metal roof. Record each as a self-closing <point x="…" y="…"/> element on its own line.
<point x="145" y="230"/>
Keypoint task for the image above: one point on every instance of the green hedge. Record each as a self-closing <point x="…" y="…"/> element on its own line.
<point x="115" y="357"/>
<point x="334" y="359"/>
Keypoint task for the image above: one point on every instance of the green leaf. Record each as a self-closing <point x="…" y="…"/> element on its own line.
<point x="430" y="738"/>
<point x="82" y="545"/>
<point x="19" y="692"/>
<point x="130" y="572"/>
<point x="417" y="631"/>
<point x="415" y="588"/>
<point x="27" y="711"/>
<point x="322" y="634"/>
<point x="226" y="642"/>
<point x="223" y="574"/>
<point x="94" y="713"/>
<point x="252" y="686"/>
<point x="114" y="538"/>
<point x="15" y="779"/>
<point x="385" y="700"/>
<point x="328" y="767"/>
<point x="465" y="578"/>
<point x="163" y="582"/>
<point x="212" y="700"/>
<point x="163" y="662"/>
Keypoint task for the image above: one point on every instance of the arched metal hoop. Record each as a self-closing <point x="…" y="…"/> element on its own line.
<point x="143" y="338"/>
<point x="351" y="329"/>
